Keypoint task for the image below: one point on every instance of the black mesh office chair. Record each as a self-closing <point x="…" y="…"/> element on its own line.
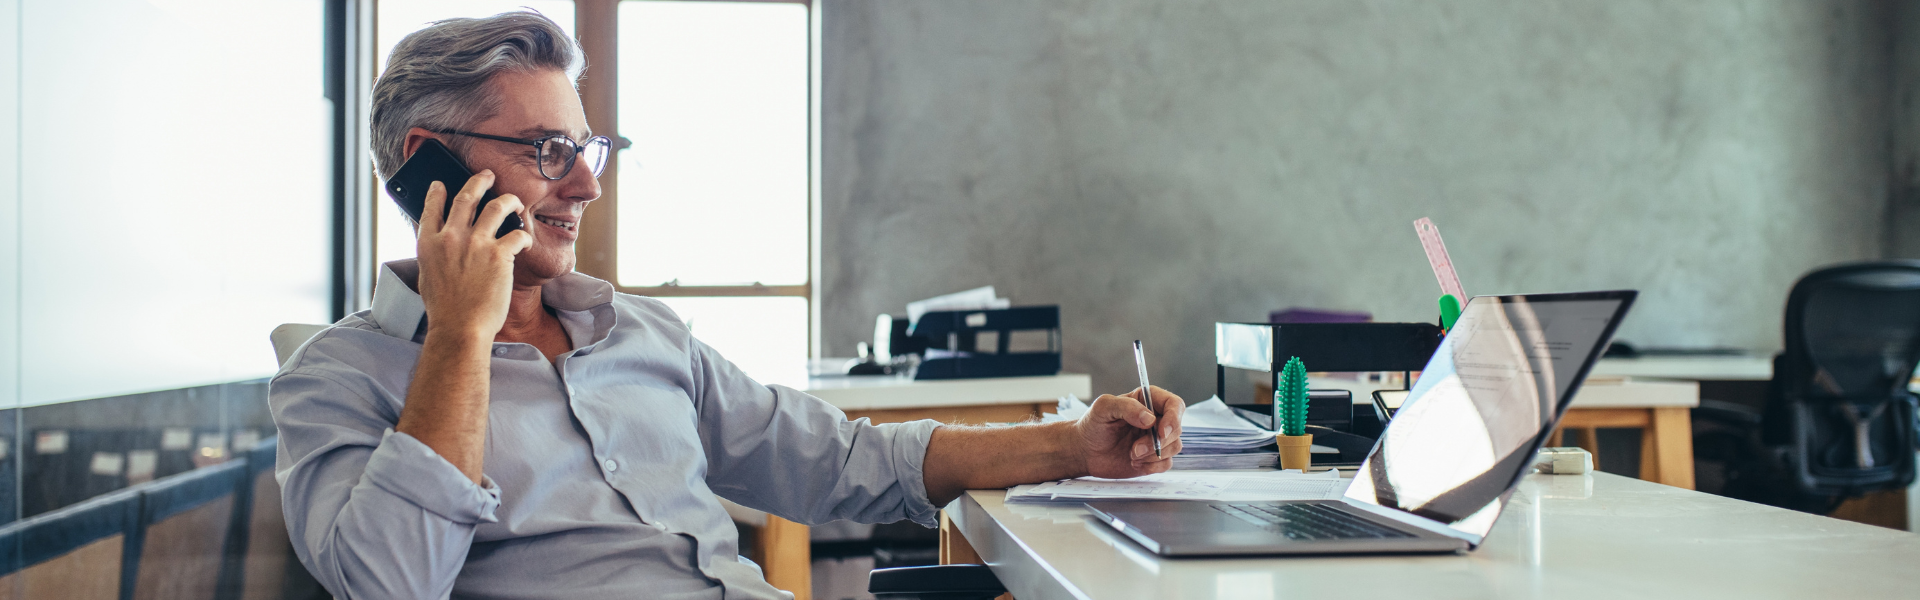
<point x="1839" y="403"/>
<point x="940" y="582"/>
<point x="1839" y="421"/>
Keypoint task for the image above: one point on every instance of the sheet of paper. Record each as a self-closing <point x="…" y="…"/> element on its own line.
<point x="975" y="299"/>
<point x="1231" y="486"/>
<point x="1212" y="427"/>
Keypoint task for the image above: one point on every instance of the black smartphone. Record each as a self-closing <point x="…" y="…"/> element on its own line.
<point x="433" y="162"/>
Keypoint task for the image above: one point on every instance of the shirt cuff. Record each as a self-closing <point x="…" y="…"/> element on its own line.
<point x="408" y="469"/>
<point x="910" y="441"/>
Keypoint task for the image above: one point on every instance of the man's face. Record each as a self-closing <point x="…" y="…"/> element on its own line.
<point x="535" y="105"/>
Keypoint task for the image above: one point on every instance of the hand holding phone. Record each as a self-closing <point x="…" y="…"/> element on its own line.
<point x="433" y="162"/>
<point x="466" y="278"/>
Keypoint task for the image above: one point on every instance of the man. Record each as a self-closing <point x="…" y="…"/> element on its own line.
<point x="500" y="426"/>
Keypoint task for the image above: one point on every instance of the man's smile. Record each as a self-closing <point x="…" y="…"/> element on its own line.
<point x="564" y="223"/>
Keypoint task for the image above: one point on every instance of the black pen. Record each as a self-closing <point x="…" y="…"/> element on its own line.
<point x="1146" y="395"/>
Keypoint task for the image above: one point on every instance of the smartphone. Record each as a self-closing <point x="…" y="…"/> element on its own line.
<point x="433" y="162"/>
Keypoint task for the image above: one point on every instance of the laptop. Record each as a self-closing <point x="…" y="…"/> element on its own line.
<point x="1445" y="465"/>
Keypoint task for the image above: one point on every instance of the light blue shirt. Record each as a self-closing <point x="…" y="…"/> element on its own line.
<point x="602" y="467"/>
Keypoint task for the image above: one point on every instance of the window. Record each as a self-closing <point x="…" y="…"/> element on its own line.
<point x="713" y="211"/>
<point x="710" y="208"/>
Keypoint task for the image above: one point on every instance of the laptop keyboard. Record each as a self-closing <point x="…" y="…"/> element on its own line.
<point x="1308" y="521"/>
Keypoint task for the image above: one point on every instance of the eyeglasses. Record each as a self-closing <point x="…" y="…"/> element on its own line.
<point x="556" y="153"/>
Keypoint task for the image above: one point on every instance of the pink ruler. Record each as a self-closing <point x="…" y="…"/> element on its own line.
<point x="1437" y="257"/>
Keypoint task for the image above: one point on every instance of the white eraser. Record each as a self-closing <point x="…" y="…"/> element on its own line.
<point x="1563" y="461"/>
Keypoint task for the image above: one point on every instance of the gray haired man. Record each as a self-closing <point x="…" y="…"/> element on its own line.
<point x="498" y="426"/>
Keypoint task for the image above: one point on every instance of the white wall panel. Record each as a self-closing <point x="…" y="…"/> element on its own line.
<point x="174" y="191"/>
<point x="9" y="208"/>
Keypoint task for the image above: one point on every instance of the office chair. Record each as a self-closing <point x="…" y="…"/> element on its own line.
<point x="938" y="582"/>
<point x="1838" y="420"/>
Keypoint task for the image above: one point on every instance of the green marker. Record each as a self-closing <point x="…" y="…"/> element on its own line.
<point x="1449" y="311"/>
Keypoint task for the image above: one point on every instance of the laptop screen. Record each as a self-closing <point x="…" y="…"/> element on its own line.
<point x="1470" y="427"/>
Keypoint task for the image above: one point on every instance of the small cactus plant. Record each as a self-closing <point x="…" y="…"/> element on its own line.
<point x="1290" y="399"/>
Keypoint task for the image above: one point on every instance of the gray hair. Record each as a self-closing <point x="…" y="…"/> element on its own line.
<point x="437" y="77"/>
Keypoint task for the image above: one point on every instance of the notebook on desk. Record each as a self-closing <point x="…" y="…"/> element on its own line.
<point x="1448" y="460"/>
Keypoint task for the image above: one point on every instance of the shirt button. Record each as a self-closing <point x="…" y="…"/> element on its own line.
<point x="610" y="465"/>
<point x="570" y="390"/>
<point x="499" y="351"/>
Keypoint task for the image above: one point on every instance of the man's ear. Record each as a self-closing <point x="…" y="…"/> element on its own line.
<point x="415" y="137"/>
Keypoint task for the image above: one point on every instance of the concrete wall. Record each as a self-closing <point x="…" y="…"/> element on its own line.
<point x="1903" y="201"/>
<point x="1156" y="166"/>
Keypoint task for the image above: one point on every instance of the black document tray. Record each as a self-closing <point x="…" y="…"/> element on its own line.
<point x="958" y="331"/>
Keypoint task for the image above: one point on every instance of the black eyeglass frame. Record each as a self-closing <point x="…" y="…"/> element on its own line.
<point x="540" y="149"/>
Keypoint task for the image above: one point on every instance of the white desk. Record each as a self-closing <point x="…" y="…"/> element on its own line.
<point x="1743" y="367"/>
<point x="1562" y="538"/>
<point x="783" y="546"/>
<point x="897" y="392"/>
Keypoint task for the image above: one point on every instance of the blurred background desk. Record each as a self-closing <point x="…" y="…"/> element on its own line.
<point x="1563" y="537"/>
<point x="782" y="545"/>
<point x="1660" y="409"/>
<point x="1750" y="366"/>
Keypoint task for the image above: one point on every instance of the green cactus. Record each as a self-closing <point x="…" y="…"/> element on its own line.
<point x="1290" y="399"/>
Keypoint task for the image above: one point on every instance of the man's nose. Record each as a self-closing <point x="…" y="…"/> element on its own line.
<point x="580" y="185"/>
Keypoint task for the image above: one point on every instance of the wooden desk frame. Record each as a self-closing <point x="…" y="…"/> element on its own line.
<point x="1666" y="438"/>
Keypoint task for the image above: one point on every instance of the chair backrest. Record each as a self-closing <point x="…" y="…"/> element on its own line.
<point x="84" y="551"/>
<point x="1839" y="398"/>
<point x="267" y="549"/>
<point x="288" y="337"/>
<point x="186" y="521"/>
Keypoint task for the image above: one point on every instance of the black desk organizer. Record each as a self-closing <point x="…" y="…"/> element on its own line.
<point x="959" y="331"/>
<point x="1324" y="347"/>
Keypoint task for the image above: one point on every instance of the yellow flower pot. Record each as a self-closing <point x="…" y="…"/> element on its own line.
<point x="1296" y="451"/>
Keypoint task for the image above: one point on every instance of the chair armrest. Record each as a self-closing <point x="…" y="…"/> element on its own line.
<point x="940" y="582"/>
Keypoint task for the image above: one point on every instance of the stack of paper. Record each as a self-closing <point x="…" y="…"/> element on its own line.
<point x="1211" y="428"/>
<point x="1250" y="459"/>
<point x="1257" y="486"/>
<point x="980" y="298"/>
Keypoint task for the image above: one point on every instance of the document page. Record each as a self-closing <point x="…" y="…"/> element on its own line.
<point x="1227" y="486"/>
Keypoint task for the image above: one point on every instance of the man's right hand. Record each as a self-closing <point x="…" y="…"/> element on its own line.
<point x="466" y="275"/>
<point x="466" y="282"/>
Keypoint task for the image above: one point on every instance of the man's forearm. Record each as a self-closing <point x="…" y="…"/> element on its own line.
<point x="446" y="406"/>
<point x="966" y="458"/>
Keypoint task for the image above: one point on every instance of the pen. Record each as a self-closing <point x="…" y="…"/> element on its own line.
<point x="1146" y="395"/>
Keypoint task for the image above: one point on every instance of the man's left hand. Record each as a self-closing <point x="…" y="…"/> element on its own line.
<point x="1115" y="438"/>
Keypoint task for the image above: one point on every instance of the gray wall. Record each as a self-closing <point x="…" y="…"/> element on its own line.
<point x="1156" y="166"/>
<point x="1903" y="201"/>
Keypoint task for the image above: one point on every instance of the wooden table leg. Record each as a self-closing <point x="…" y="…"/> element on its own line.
<point x="1671" y="433"/>
<point x="787" y="556"/>
<point x="954" y="549"/>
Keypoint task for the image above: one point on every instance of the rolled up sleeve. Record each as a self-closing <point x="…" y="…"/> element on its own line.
<point x="373" y="513"/>
<point x="782" y="451"/>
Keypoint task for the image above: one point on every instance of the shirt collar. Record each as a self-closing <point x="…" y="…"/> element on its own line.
<point x="399" y="312"/>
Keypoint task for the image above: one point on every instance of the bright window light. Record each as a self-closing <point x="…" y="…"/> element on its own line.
<point x="766" y="336"/>
<point x="714" y="189"/>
